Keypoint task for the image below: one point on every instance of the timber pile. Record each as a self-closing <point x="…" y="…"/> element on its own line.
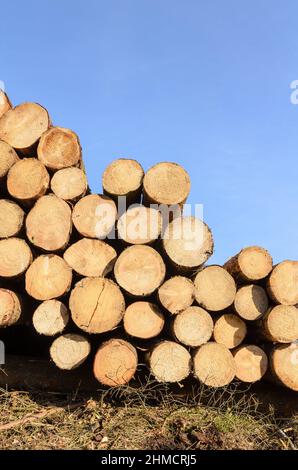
<point x="98" y="280"/>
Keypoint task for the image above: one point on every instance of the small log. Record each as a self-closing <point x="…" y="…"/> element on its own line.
<point x="11" y="218"/>
<point x="27" y="180"/>
<point x="50" y="318"/>
<point x="282" y="285"/>
<point x="250" y="264"/>
<point x="59" y="148"/>
<point x="70" y="351"/>
<point x="69" y="184"/>
<point x="15" y="257"/>
<point x="214" y="365"/>
<point x="143" y="320"/>
<point x="229" y="330"/>
<point x="10" y="308"/>
<point x="215" y="289"/>
<point x="49" y="223"/>
<point x="279" y="324"/>
<point x="22" y="126"/>
<point x="5" y="103"/>
<point x="251" y="302"/>
<point x="123" y="177"/>
<point x="8" y="157"/>
<point x="115" y="363"/>
<point x="97" y="305"/>
<point x="94" y="216"/>
<point x="169" y="362"/>
<point x="284" y="364"/>
<point x="91" y="258"/>
<point x="48" y="277"/>
<point x="176" y="294"/>
<point x="251" y="363"/>
<point x="139" y="270"/>
<point x="140" y="225"/>
<point x="193" y="327"/>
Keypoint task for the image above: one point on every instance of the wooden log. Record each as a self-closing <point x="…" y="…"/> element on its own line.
<point x="282" y="285"/>
<point x="22" y="126"/>
<point x="11" y="218"/>
<point x="5" y="103"/>
<point x="229" y="330"/>
<point x="250" y="264"/>
<point x="115" y="363"/>
<point x="176" y="294"/>
<point x="123" y="177"/>
<point x="15" y="257"/>
<point x="139" y="225"/>
<point x="27" y="180"/>
<point x="97" y="305"/>
<point x="8" y="157"/>
<point x="50" y="318"/>
<point x="94" y="216"/>
<point x="251" y="363"/>
<point x="69" y="184"/>
<point x="188" y="243"/>
<point x="59" y="148"/>
<point x="193" y="327"/>
<point x="143" y="320"/>
<point x="10" y="308"/>
<point x="166" y="183"/>
<point x="139" y="270"/>
<point x="91" y="258"/>
<point x="214" y="365"/>
<point x="284" y="364"/>
<point x="279" y="324"/>
<point x="215" y="288"/>
<point x="48" y="277"/>
<point x="69" y="351"/>
<point x="251" y="302"/>
<point x="169" y="362"/>
<point x="49" y="223"/>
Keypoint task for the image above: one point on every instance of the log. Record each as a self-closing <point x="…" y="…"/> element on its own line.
<point x="10" y="308"/>
<point x="69" y="351"/>
<point x="188" y="243"/>
<point x="115" y="363"/>
<point x="91" y="258"/>
<point x="59" y="148"/>
<point x="214" y="365"/>
<point x="27" y="180"/>
<point x="251" y="363"/>
<point x="176" y="294"/>
<point x="11" y="218"/>
<point x="49" y="223"/>
<point x="250" y="264"/>
<point x="139" y="225"/>
<point x="215" y="288"/>
<point x="8" y="157"/>
<point x="48" y="277"/>
<point x="94" y="216"/>
<point x="69" y="184"/>
<point x="123" y="177"/>
<point x="166" y="183"/>
<point x="169" y="362"/>
<point x="193" y="327"/>
<point x="229" y="330"/>
<point x="139" y="270"/>
<point x="15" y="257"/>
<point x="50" y="318"/>
<point x="143" y="320"/>
<point x="284" y="364"/>
<point x="279" y="324"/>
<point x="282" y="285"/>
<point x="251" y="302"/>
<point x="22" y="126"/>
<point x="97" y="305"/>
<point x="5" y="103"/>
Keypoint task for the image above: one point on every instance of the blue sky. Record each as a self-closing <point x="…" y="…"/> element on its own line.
<point x="204" y="84"/>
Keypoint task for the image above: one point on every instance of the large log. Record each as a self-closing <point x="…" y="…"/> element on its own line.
<point x="140" y="225"/>
<point x="123" y="177"/>
<point x="69" y="184"/>
<point x="143" y="320"/>
<point x="214" y="365"/>
<point x="69" y="351"/>
<point x="115" y="362"/>
<point x="97" y="305"/>
<point x="15" y="257"/>
<point x="11" y="218"/>
<point x="193" y="327"/>
<point x="5" y="103"/>
<point x="282" y="284"/>
<point x="176" y="294"/>
<point x="188" y="243"/>
<point x="250" y="264"/>
<point x="27" y="180"/>
<point x="8" y="157"/>
<point x="94" y="216"/>
<point x="284" y="364"/>
<point x="139" y="270"/>
<point x="169" y="362"/>
<point x="229" y="330"/>
<point x="279" y="324"/>
<point x="251" y="363"/>
<point x="49" y="223"/>
<point x="91" y="258"/>
<point x="251" y="302"/>
<point x="215" y="289"/>
<point x="22" y="126"/>
<point x="48" y="277"/>
<point x="50" y="318"/>
<point x="59" y="148"/>
<point x="10" y="308"/>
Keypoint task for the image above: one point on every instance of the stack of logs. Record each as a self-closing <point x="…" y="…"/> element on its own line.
<point x="123" y="272"/>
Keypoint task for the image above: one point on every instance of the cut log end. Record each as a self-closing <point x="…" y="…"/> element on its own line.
<point x="214" y="365"/>
<point x="8" y="157"/>
<point x="229" y="330"/>
<point x="215" y="288"/>
<point x="283" y="283"/>
<point x="280" y="324"/>
<point x="94" y="216"/>
<point x="5" y="103"/>
<point x="59" y="148"/>
<point x="143" y="320"/>
<point x="251" y="302"/>
<point x="284" y="364"/>
<point x="10" y="308"/>
<point x="193" y="327"/>
<point x="251" y="363"/>
<point x="170" y="362"/>
<point x="140" y="225"/>
<point x="250" y="264"/>
<point x="69" y="351"/>
<point x="176" y="294"/>
<point x="123" y="177"/>
<point x="50" y="318"/>
<point x="27" y="180"/>
<point x="69" y="184"/>
<point x="15" y="257"/>
<point x="11" y="218"/>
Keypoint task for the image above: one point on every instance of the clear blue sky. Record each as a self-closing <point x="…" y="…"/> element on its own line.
<point x="202" y="83"/>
